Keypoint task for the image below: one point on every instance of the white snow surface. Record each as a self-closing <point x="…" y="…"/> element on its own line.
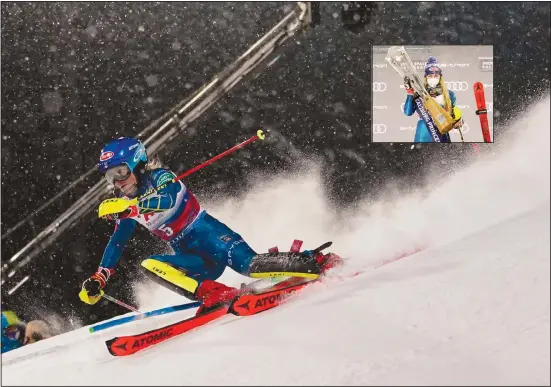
<point x="470" y="308"/>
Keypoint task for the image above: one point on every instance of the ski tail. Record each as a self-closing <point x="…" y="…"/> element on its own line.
<point x="481" y="110"/>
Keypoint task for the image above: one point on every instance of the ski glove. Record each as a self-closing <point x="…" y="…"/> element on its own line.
<point x="458" y="124"/>
<point x="407" y="85"/>
<point x="92" y="288"/>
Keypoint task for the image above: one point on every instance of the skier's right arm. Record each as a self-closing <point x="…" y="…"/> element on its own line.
<point x="409" y="105"/>
<point x="113" y="251"/>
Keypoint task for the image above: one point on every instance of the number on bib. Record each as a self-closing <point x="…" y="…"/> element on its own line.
<point x="167" y="230"/>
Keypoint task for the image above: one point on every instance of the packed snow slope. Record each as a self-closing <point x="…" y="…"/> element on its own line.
<point x="471" y="307"/>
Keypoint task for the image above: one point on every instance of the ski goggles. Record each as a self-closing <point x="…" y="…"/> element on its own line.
<point x="118" y="173"/>
<point x="13" y="332"/>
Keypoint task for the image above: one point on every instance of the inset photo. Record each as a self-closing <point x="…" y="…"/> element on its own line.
<point x="433" y="93"/>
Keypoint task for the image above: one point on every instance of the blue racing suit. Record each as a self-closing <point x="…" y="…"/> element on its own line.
<point x="203" y="246"/>
<point x="422" y="133"/>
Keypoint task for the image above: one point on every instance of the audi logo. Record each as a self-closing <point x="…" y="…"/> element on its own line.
<point x="490" y="107"/>
<point x="457" y="86"/>
<point x="379" y="128"/>
<point x="379" y="86"/>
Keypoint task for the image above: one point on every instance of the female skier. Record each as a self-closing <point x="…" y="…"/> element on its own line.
<point x="436" y="87"/>
<point x="202" y="245"/>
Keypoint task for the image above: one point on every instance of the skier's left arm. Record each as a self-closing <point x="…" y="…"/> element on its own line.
<point x="167" y="195"/>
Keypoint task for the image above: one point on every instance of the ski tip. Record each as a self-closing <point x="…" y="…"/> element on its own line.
<point x="109" y="344"/>
<point x="323" y="247"/>
<point x="91" y="330"/>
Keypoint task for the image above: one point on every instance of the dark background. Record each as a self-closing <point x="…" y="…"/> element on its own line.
<point x="76" y="75"/>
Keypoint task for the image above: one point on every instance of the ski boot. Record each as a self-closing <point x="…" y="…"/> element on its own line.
<point x="325" y="261"/>
<point x="214" y="294"/>
<point x="322" y="262"/>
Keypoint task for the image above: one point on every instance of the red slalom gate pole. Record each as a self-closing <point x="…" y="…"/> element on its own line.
<point x="259" y="136"/>
<point x="481" y="110"/>
<point x="119" y="302"/>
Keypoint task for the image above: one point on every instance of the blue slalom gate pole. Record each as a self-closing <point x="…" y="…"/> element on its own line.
<point x="141" y="316"/>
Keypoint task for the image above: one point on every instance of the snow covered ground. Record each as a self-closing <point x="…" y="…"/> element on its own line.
<point x="472" y="307"/>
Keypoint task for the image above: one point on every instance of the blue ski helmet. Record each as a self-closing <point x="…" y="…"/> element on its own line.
<point x="431" y="67"/>
<point x="123" y="150"/>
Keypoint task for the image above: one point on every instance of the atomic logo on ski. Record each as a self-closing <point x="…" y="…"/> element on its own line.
<point x="127" y="345"/>
<point x="250" y="304"/>
<point x="152" y="338"/>
<point x="245" y="305"/>
<point x="122" y="346"/>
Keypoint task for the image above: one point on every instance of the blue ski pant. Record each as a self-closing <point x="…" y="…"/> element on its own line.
<point x="207" y="248"/>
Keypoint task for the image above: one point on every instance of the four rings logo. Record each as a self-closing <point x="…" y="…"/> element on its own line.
<point x="379" y="86"/>
<point x="379" y="128"/>
<point x="457" y="86"/>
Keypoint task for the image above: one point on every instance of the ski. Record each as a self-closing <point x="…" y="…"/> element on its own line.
<point x="481" y="110"/>
<point x="128" y="345"/>
<point x="244" y="305"/>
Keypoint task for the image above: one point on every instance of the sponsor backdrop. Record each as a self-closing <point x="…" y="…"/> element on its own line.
<point x="462" y="66"/>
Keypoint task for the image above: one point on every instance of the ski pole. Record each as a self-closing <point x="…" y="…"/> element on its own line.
<point x="461" y="134"/>
<point x="259" y="136"/>
<point x="118" y="302"/>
